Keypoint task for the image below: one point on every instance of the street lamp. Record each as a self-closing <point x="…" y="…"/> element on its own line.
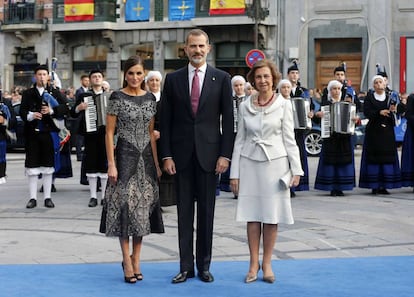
<point x="255" y="11"/>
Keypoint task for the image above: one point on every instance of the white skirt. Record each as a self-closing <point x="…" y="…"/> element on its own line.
<point x="262" y="197"/>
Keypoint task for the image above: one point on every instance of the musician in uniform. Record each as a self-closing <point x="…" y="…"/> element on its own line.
<point x="390" y="92"/>
<point x="79" y="138"/>
<point x="96" y="164"/>
<point x="238" y="85"/>
<point x="298" y="91"/>
<point x="7" y="123"/>
<point x="38" y="111"/>
<point x="347" y="91"/>
<point x="336" y="168"/>
<point x="380" y="168"/>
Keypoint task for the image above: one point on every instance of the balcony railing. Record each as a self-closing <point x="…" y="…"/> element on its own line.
<point x="23" y="13"/>
<point x="105" y="11"/>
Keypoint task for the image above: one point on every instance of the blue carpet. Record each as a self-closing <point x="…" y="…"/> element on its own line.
<point x="347" y="277"/>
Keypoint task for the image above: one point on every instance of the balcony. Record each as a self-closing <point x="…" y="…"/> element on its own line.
<point x="105" y="11"/>
<point x="24" y="17"/>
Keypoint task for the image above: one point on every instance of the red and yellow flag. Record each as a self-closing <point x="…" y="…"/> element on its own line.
<point x="227" y="7"/>
<point x="79" y="10"/>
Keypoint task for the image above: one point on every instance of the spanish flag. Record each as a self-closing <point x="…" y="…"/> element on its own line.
<point x="227" y="7"/>
<point x="79" y="10"/>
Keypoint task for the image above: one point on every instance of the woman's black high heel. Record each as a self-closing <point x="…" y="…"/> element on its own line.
<point x="129" y="279"/>
<point x="138" y="276"/>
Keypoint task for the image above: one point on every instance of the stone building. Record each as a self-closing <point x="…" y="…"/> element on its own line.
<point x="320" y="34"/>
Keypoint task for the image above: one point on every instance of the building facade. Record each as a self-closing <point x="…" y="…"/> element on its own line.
<point x="362" y="33"/>
<point x="320" y="34"/>
<point x="109" y="38"/>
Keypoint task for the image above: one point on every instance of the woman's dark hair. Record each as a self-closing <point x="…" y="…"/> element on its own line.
<point x="276" y="75"/>
<point x="131" y="62"/>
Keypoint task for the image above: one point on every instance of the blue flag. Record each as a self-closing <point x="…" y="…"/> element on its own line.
<point x="180" y="10"/>
<point x="137" y="10"/>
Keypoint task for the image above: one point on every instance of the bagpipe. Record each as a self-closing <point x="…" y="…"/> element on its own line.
<point x="47" y="97"/>
<point x="5" y="113"/>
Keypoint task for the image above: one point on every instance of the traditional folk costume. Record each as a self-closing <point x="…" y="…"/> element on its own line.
<point x="336" y="168"/>
<point x="380" y="168"/>
<point x="41" y="136"/>
<point x="94" y="159"/>
<point x="224" y="183"/>
<point x="7" y="113"/>
<point x="300" y="92"/>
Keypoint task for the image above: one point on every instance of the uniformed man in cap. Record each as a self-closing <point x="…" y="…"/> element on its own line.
<point x="300" y="92"/>
<point x="347" y="91"/>
<point x="40" y="106"/>
<point x="95" y="151"/>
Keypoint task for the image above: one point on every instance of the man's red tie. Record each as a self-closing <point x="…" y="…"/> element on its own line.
<point x="195" y="92"/>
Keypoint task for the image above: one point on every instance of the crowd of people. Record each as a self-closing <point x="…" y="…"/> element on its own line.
<point x="203" y="130"/>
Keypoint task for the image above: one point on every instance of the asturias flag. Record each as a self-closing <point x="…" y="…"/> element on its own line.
<point x="227" y="7"/>
<point x="180" y="10"/>
<point x="79" y="10"/>
<point x="137" y="10"/>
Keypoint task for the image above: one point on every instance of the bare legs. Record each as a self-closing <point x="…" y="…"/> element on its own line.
<point x="135" y="257"/>
<point x="254" y="232"/>
<point x="269" y="240"/>
<point x="131" y="263"/>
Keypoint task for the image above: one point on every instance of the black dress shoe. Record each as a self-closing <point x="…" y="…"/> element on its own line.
<point x="182" y="277"/>
<point x="93" y="202"/>
<point x="340" y="193"/>
<point x="374" y="191"/>
<point x="206" y="276"/>
<point x="383" y="191"/>
<point x="32" y="203"/>
<point x="49" y="203"/>
<point x="292" y="194"/>
<point x="333" y="193"/>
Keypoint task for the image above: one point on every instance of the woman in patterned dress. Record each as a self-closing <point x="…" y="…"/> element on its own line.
<point x="132" y="196"/>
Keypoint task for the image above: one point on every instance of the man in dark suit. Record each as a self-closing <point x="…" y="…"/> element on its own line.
<point x="193" y="148"/>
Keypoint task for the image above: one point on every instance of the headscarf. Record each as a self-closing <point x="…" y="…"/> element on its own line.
<point x="283" y="82"/>
<point x="235" y="79"/>
<point x="153" y="73"/>
<point x="331" y="84"/>
<point x="377" y="77"/>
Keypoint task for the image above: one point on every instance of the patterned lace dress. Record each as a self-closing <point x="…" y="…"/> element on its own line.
<point x="132" y="205"/>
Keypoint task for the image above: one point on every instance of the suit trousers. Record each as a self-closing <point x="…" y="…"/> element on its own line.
<point x="195" y="184"/>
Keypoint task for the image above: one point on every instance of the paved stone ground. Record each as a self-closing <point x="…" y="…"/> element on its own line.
<point x="357" y="225"/>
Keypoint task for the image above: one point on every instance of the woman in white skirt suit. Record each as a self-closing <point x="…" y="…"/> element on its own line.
<point x="265" y="163"/>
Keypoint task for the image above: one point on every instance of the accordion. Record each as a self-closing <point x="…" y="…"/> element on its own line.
<point x="95" y="114"/>
<point x="337" y="117"/>
<point x="301" y="109"/>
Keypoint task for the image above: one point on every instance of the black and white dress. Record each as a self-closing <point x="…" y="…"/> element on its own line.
<point x="132" y="205"/>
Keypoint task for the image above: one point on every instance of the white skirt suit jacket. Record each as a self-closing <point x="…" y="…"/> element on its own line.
<point x="265" y="156"/>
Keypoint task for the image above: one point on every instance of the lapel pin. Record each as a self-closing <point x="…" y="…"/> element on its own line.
<point x="213" y="78"/>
